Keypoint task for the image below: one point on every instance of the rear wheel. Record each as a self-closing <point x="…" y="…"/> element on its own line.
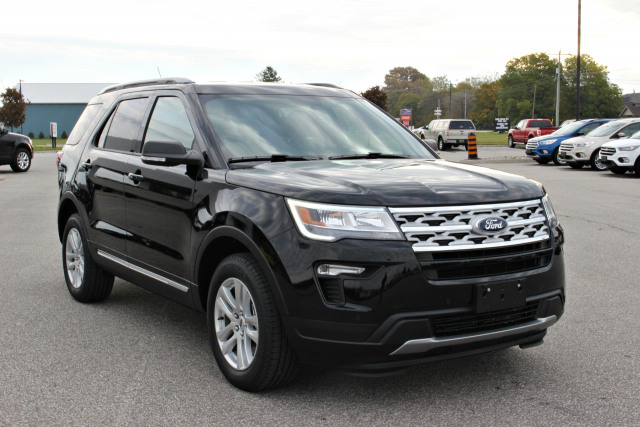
<point x="510" y="142"/>
<point x="21" y="161"/>
<point x="247" y="338"/>
<point x="556" y="158"/>
<point x="441" y="145"/>
<point x="86" y="281"/>
<point x="595" y="162"/>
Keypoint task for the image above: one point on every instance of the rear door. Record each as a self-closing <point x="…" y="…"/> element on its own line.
<point x="100" y="176"/>
<point x="159" y="200"/>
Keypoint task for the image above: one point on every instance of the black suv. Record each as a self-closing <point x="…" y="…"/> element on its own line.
<point x="307" y="224"/>
<point x="15" y="150"/>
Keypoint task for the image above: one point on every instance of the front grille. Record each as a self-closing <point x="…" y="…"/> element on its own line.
<point x="450" y="228"/>
<point x="469" y="323"/>
<point x="608" y="151"/>
<point x="531" y="145"/>
<point x="566" y="147"/>
<point x="485" y="262"/>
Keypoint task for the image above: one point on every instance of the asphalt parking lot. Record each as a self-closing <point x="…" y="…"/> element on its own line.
<point x="138" y="359"/>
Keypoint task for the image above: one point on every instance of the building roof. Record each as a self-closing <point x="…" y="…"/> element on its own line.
<point x="61" y="93"/>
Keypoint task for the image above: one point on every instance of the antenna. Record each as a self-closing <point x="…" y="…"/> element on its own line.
<point x="159" y="71"/>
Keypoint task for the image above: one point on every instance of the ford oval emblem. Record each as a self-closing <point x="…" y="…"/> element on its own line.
<point x="489" y="225"/>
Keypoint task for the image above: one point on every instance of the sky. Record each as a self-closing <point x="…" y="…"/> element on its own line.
<point x="350" y="43"/>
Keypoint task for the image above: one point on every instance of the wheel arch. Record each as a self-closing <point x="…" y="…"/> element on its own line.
<point x="235" y="235"/>
<point x="67" y="206"/>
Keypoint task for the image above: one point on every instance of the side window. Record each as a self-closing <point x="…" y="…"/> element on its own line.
<point x="591" y="126"/>
<point x="122" y="134"/>
<point x="83" y="123"/>
<point x="630" y="130"/>
<point x="169" y="122"/>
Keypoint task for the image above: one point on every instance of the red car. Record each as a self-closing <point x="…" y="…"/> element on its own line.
<point x="529" y="128"/>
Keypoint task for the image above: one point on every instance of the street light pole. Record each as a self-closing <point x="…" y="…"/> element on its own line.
<point x="578" y="77"/>
<point x="20" y="82"/>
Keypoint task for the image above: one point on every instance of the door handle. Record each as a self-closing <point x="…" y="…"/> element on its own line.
<point x="87" y="165"/>
<point x="135" y="177"/>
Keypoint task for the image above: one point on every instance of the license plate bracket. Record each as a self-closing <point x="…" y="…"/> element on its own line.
<point x="499" y="296"/>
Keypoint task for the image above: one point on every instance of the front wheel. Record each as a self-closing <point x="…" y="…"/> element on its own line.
<point x="21" y="161"/>
<point x="557" y="159"/>
<point x="595" y="162"/>
<point x="246" y="334"/>
<point x="86" y="281"/>
<point x="510" y="142"/>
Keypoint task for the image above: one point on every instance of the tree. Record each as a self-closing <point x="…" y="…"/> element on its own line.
<point x="528" y="80"/>
<point x="598" y="96"/>
<point x="406" y="79"/>
<point x="485" y="108"/>
<point x="12" y="112"/>
<point x="377" y="96"/>
<point x="268" y="75"/>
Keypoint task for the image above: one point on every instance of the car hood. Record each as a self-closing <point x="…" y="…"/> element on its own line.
<point x="11" y="136"/>
<point x="623" y="142"/>
<point x="393" y="182"/>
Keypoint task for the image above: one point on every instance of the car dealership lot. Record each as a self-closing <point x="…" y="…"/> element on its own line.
<point x="140" y="359"/>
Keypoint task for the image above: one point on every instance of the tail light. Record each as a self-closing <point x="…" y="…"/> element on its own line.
<point x="58" y="158"/>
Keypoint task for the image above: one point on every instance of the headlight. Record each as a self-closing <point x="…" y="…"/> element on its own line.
<point x="632" y="148"/>
<point x="319" y="221"/>
<point x="551" y="214"/>
<point x="584" y="144"/>
<point x="547" y="142"/>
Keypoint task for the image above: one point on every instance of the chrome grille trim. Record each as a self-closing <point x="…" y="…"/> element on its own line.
<point x="566" y="147"/>
<point x="607" y="151"/>
<point x="532" y="145"/>
<point x="449" y="228"/>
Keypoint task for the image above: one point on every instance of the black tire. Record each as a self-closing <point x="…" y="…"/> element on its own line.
<point x="637" y="168"/>
<point x="21" y="161"/>
<point x="441" y="145"/>
<point x="86" y="281"/>
<point x="595" y="162"/>
<point x="556" y="158"/>
<point x="576" y="165"/>
<point x="422" y="136"/>
<point x="542" y="161"/>
<point x="266" y="360"/>
<point x="617" y="171"/>
<point x="466" y="147"/>
<point x="510" y="142"/>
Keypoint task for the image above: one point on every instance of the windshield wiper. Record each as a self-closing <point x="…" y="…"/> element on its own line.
<point x="271" y="158"/>
<point x="369" y="156"/>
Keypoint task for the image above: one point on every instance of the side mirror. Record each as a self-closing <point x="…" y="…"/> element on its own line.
<point x="170" y="153"/>
<point x="580" y="133"/>
<point x="621" y="135"/>
<point x="431" y="144"/>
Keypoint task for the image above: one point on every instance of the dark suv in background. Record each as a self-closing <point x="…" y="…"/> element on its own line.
<point x="307" y="224"/>
<point x="15" y="150"/>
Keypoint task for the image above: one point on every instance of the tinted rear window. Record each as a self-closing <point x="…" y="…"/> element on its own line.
<point x="540" y="124"/>
<point x="461" y="124"/>
<point x="83" y="123"/>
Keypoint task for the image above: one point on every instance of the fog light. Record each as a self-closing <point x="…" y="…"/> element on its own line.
<point x="581" y="155"/>
<point x="623" y="160"/>
<point x="544" y="151"/>
<point x="335" y="270"/>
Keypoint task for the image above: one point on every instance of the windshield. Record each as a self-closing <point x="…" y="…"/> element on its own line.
<point x="636" y="135"/>
<point x="568" y="129"/>
<point x="319" y="127"/>
<point x="607" y="129"/>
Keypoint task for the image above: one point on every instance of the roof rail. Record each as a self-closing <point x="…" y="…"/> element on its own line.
<point x="324" y="85"/>
<point x="151" y="82"/>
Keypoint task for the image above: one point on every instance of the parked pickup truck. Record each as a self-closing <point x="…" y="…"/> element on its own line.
<point x="529" y="128"/>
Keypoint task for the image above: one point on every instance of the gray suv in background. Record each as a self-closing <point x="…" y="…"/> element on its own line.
<point x="448" y="132"/>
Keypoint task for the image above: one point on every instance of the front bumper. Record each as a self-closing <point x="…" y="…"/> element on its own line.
<point x="396" y="314"/>
<point x="574" y="156"/>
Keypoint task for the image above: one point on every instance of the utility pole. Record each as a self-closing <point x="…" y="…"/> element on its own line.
<point x="21" y="98"/>
<point x="533" y="110"/>
<point x="450" y="90"/>
<point x="578" y="78"/>
<point x="558" y="75"/>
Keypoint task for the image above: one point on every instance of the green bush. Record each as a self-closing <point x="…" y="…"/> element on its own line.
<point x="64" y="134"/>
<point x="31" y="135"/>
<point x="41" y="135"/>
